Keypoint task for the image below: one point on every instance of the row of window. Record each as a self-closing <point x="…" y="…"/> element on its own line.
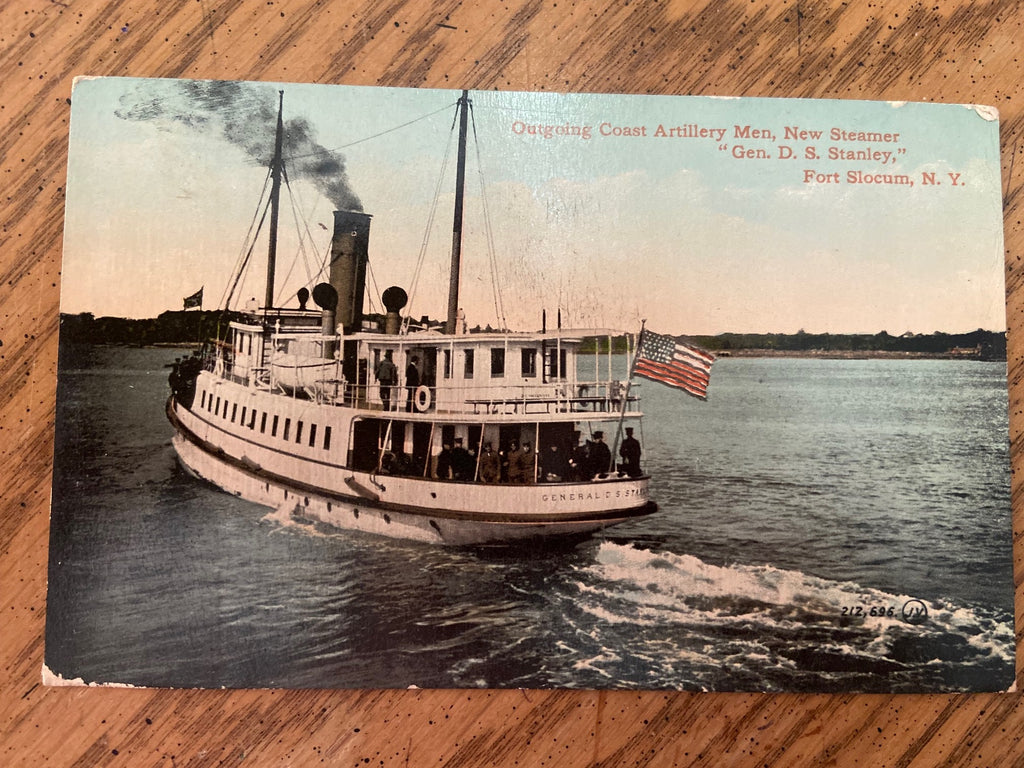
<point x="554" y="364"/>
<point x="250" y="417"/>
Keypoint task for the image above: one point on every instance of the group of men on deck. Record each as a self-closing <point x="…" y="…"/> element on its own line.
<point x="590" y="459"/>
<point x="519" y="465"/>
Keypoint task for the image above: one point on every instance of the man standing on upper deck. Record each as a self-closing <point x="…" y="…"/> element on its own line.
<point x="412" y="380"/>
<point x="387" y="377"/>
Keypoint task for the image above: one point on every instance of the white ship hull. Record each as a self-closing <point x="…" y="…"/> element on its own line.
<point x="225" y="454"/>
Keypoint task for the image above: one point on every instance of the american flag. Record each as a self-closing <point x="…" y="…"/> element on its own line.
<point x="663" y="359"/>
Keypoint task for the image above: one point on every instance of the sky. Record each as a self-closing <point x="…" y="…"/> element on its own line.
<point x="722" y="221"/>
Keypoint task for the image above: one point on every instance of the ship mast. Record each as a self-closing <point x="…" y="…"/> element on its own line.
<point x="275" y="198"/>
<point x="460" y="183"/>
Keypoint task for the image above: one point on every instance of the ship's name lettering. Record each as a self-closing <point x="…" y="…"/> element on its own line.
<point x="868" y="153"/>
<point x="620" y="493"/>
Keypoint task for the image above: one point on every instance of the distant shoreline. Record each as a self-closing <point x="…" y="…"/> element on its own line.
<point x="863" y="354"/>
<point x="808" y="354"/>
<point x="169" y="328"/>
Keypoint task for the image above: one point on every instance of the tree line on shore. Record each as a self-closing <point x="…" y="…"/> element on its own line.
<point x="982" y="344"/>
<point x="193" y="327"/>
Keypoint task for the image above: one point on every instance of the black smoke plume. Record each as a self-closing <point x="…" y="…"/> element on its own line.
<point x="246" y="116"/>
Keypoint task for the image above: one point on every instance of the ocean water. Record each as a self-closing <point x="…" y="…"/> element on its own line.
<point x="825" y="525"/>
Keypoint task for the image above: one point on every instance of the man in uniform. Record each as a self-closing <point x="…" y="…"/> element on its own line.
<point x="444" y="462"/>
<point x="463" y="466"/>
<point x="521" y="465"/>
<point x="412" y="380"/>
<point x="579" y="462"/>
<point x="630" y="453"/>
<point x="490" y="465"/>
<point x="554" y="465"/>
<point x="387" y="376"/>
<point x="600" y="455"/>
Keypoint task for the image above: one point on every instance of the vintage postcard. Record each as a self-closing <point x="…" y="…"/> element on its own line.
<point x="367" y="387"/>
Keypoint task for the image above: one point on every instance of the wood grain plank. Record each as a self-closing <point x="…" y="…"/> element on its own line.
<point x="963" y="52"/>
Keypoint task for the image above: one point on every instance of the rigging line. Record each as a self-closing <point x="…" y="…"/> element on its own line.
<point x="499" y="304"/>
<point x="242" y="255"/>
<point x="244" y="266"/>
<point x="430" y="224"/>
<point x="324" y="265"/>
<point x="248" y="255"/>
<point x="300" y="222"/>
<point x="421" y="256"/>
<point x="374" y="136"/>
<point x="376" y="290"/>
<point x="301" y="247"/>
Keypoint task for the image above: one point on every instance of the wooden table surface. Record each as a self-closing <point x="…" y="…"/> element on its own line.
<point x="964" y="52"/>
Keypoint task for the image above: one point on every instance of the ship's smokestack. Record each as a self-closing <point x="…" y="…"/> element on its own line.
<point x="349" y="249"/>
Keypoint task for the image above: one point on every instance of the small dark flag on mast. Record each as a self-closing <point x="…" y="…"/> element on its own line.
<point x="662" y="358"/>
<point x="195" y="300"/>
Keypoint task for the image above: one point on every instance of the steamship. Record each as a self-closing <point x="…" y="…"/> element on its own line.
<point x="421" y="433"/>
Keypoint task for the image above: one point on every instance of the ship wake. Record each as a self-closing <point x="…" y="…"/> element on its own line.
<point x="746" y="627"/>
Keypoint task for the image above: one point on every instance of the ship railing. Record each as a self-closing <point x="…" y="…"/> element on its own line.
<point x="559" y="397"/>
<point x="553" y="397"/>
<point x="593" y="396"/>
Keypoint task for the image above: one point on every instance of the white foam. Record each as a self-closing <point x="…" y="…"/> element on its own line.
<point x="631" y="585"/>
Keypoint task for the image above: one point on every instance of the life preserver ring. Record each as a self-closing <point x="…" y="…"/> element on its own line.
<point x="422" y="398"/>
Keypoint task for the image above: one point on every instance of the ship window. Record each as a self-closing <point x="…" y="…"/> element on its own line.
<point x="263" y="423"/>
<point x="217" y="409"/>
<point x="327" y="438"/>
<point x="447" y="363"/>
<point x="202" y="401"/>
<point x="312" y="435"/>
<point x="529" y="362"/>
<point x="556" y="363"/>
<point x="273" y="427"/>
<point x="468" y="371"/>
<point x="298" y="432"/>
<point x="234" y="412"/>
<point x="287" y="428"/>
<point x="252" y="419"/>
<point x="242" y="421"/>
<point x="497" y="362"/>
